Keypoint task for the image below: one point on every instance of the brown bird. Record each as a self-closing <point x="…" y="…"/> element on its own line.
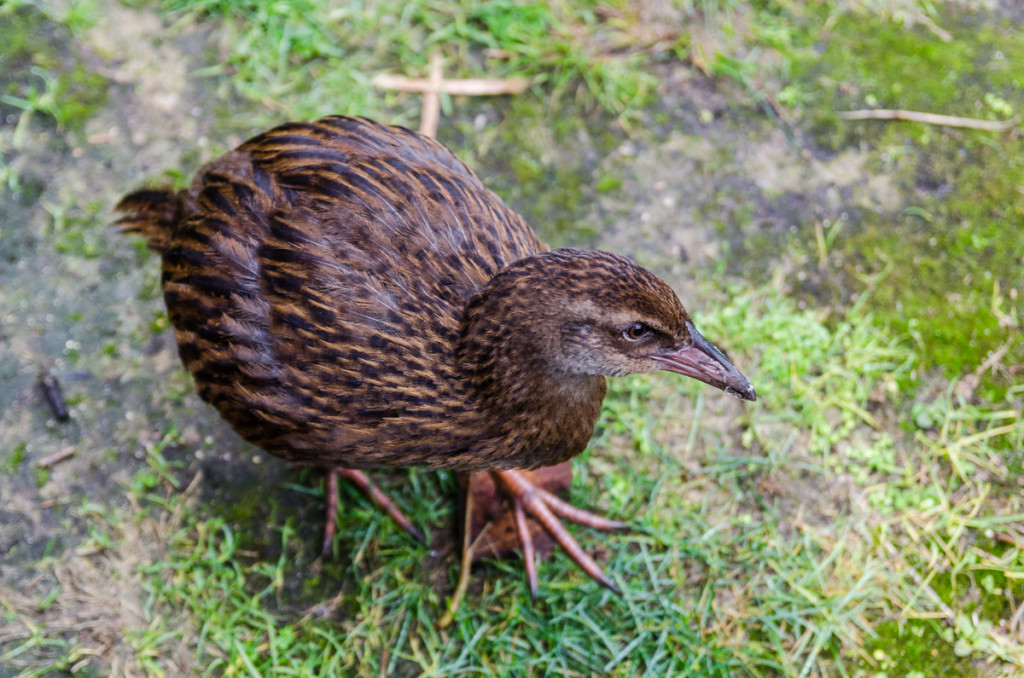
<point x="350" y="295"/>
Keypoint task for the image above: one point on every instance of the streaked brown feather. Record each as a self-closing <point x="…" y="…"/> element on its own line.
<point x="351" y="294"/>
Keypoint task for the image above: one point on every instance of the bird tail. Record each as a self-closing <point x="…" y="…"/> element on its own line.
<point x="152" y="213"/>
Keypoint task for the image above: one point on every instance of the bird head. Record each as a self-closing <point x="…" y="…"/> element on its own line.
<point x="598" y="314"/>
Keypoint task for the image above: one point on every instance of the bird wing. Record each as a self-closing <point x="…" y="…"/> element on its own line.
<point x="374" y="241"/>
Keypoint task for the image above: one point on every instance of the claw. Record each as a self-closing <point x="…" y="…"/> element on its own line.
<point x="376" y="495"/>
<point x="543" y="506"/>
<point x="578" y="515"/>
<point x="529" y="554"/>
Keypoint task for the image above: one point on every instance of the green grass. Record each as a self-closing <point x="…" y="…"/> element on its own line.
<point x="725" y="575"/>
<point x="306" y="59"/>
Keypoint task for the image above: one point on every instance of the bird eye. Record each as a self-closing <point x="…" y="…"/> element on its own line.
<point x="636" y="332"/>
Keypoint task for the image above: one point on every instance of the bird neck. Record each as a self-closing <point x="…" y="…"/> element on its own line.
<point x="510" y="357"/>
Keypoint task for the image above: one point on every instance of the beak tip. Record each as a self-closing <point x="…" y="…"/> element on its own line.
<point x="700" y="360"/>
<point x="746" y="393"/>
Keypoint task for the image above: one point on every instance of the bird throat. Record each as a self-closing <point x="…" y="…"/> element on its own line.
<point x="512" y="360"/>
<point x="541" y="414"/>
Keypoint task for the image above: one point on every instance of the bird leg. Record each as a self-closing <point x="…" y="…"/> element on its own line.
<point x="374" y="493"/>
<point x="526" y="539"/>
<point x="528" y="498"/>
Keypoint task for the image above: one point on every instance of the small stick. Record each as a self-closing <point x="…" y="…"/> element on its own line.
<point x="431" y="114"/>
<point x="57" y="457"/>
<point x="432" y="87"/>
<point x="470" y="87"/>
<point x="54" y="396"/>
<point x="929" y="119"/>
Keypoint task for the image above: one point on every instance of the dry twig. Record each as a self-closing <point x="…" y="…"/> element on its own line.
<point x="57" y="457"/>
<point x="435" y="85"/>
<point x="470" y="87"/>
<point x="929" y="119"/>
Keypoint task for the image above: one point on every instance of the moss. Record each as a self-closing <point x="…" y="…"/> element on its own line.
<point x="608" y="184"/>
<point x="952" y="254"/>
<point x="14" y="460"/>
<point x="81" y="92"/>
<point x="980" y="598"/>
<point x="18" y="32"/>
<point x="541" y="162"/>
<point x="954" y="278"/>
<point x="916" y="645"/>
<point x="887" y="65"/>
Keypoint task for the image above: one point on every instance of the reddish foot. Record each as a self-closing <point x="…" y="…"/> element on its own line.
<point x="383" y="502"/>
<point x="529" y="499"/>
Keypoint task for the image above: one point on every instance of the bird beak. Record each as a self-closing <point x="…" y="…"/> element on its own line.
<point x="704" y="362"/>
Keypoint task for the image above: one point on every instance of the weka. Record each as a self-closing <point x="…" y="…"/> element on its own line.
<point x="350" y="295"/>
